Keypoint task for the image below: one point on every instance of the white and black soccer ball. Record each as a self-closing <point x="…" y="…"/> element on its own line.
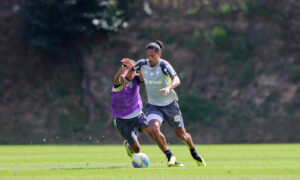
<point x="140" y="160"/>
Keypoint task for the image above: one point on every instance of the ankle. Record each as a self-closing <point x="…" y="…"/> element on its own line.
<point x="168" y="154"/>
<point x="193" y="150"/>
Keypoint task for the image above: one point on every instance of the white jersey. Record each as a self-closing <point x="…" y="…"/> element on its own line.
<point x="156" y="78"/>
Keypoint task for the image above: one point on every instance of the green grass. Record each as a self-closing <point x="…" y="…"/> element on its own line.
<point x="266" y="161"/>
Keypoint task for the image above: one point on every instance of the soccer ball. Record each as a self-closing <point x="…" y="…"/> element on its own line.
<point x="140" y="160"/>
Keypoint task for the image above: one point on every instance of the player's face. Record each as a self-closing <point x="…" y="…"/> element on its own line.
<point x="130" y="76"/>
<point x="153" y="57"/>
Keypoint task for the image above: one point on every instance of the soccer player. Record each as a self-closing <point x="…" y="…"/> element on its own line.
<point x="126" y="107"/>
<point x="160" y="80"/>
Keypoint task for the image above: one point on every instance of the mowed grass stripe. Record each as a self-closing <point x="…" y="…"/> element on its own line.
<point x="260" y="161"/>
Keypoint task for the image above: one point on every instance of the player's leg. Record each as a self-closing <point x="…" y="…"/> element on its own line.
<point x="184" y="136"/>
<point x="141" y="124"/>
<point x="131" y="144"/>
<point x="134" y="148"/>
<point x="138" y="123"/>
<point x="153" y="131"/>
<point x="160" y="139"/>
<point x="155" y="119"/>
<point x="187" y="139"/>
<point x="157" y="136"/>
<point x="173" y="117"/>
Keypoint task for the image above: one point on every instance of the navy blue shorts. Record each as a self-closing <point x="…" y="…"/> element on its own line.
<point x="170" y="113"/>
<point x="129" y="128"/>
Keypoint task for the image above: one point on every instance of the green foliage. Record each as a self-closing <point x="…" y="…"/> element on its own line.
<point x="248" y="74"/>
<point x="193" y="11"/>
<point x="292" y="107"/>
<point x="226" y="9"/>
<point x="167" y="54"/>
<point x="52" y="22"/>
<point x="2" y="84"/>
<point x="219" y="36"/>
<point x="97" y="62"/>
<point x="243" y="6"/>
<point x="153" y="33"/>
<point x="65" y="125"/>
<point x="238" y="116"/>
<point x="265" y="108"/>
<point x="223" y="11"/>
<point x="257" y="7"/>
<point x="193" y="41"/>
<point x="232" y="46"/>
<point x="295" y="73"/>
<point x="241" y="50"/>
<point x="197" y="109"/>
<point x="66" y="117"/>
<point x="149" y="33"/>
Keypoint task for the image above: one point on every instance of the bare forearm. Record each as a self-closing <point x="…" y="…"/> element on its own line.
<point x="174" y="83"/>
<point x="117" y="78"/>
<point x="123" y="75"/>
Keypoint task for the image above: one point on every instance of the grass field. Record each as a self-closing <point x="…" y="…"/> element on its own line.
<point x="266" y="161"/>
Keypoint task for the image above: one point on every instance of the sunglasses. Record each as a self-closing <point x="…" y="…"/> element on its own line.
<point x="124" y="65"/>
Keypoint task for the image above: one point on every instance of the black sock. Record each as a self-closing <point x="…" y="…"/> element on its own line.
<point x="168" y="153"/>
<point x="193" y="150"/>
<point x="194" y="153"/>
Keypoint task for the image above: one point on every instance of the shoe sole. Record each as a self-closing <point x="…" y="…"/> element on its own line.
<point x="200" y="164"/>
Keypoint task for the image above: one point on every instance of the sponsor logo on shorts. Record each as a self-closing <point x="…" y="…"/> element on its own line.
<point x="177" y="118"/>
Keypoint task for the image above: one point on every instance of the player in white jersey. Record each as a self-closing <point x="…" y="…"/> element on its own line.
<point x="160" y="80"/>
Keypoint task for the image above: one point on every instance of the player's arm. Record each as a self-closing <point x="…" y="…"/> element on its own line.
<point x="117" y="80"/>
<point x="123" y="76"/>
<point x="169" y="71"/>
<point x="136" y="67"/>
<point x="140" y="76"/>
<point x="174" y="83"/>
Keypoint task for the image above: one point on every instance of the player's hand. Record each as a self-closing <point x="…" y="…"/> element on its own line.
<point x="127" y="63"/>
<point x="122" y="70"/>
<point x="165" y="90"/>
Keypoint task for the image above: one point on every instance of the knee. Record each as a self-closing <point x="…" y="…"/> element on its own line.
<point x="155" y="131"/>
<point x="154" y="128"/>
<point x="184" y="136"/>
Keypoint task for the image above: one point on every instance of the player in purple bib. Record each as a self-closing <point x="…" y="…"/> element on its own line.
<point x="126" y="107"/>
